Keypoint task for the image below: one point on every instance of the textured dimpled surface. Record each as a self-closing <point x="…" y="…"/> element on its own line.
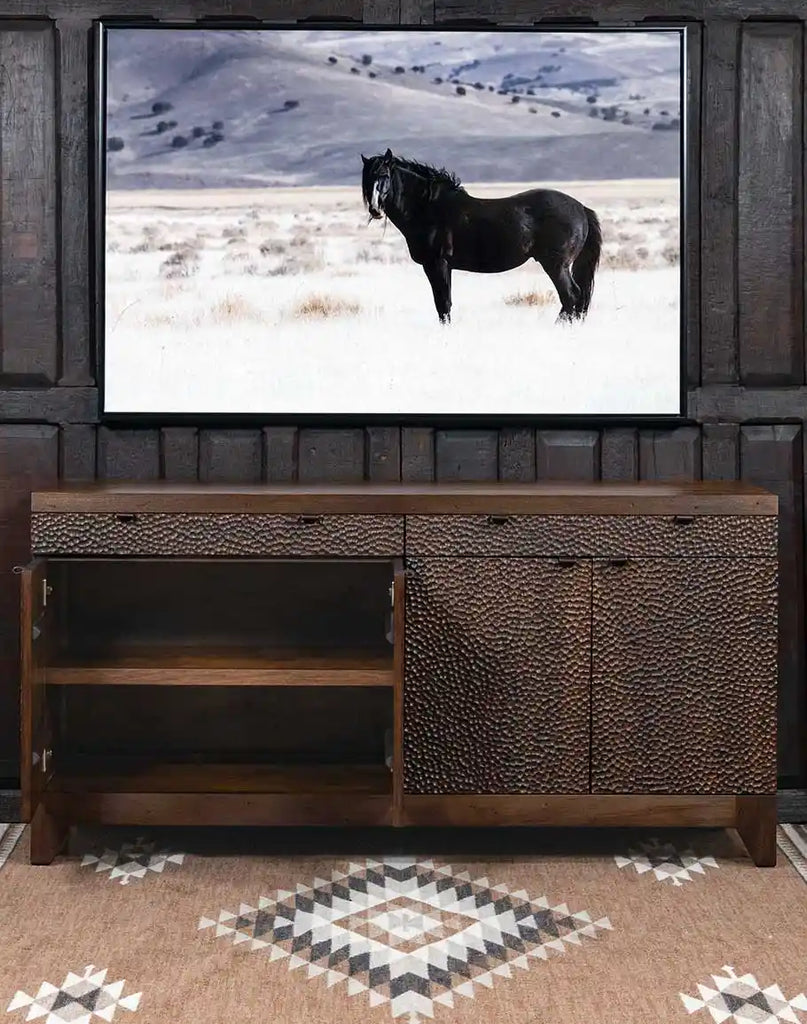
<point x="212" y="534"/>
<point x="684" y="685"/>
<point x="637" y="536"/>
<point x="496" y="691"/>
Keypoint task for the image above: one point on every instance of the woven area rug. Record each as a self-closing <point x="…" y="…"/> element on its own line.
<point x="531" y="927"/>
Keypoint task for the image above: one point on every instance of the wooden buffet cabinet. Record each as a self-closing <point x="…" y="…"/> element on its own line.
<point x="538" y="654"/>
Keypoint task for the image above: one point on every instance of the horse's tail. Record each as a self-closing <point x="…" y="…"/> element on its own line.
<point x="587" y="261"/>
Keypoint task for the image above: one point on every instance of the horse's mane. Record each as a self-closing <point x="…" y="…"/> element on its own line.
<point x="438" y="176"/>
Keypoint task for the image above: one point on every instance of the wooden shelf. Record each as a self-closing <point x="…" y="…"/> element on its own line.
<point x="141" y="775"/>
<point x="220" y="666"/>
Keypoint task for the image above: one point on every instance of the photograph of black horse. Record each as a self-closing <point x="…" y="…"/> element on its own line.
<point x="447" y="229"/>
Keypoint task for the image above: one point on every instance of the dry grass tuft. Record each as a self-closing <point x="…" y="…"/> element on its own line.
<point x="323" y="307"/>
<point x="184" y="263"/>
<point x="234" y="308"/>
<point x="531" y="299"/>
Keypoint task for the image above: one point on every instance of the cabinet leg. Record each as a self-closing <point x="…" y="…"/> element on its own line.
<point x="756" y="824"/>
<point x="48" y="836"/>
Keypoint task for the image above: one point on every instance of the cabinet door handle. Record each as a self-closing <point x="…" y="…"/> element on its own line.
<point x="565" y="562"/>
<point x="309" y="520"/>
<point x="619" y="560"/>
<point x="498" y="520"/>
<point x="684" y="520"/>
<point x="126" y="517"/>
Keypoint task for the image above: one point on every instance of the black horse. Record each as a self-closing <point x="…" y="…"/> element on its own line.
<point x="447" y="229"/>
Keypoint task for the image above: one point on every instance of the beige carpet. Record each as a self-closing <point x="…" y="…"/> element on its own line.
<point x="198" y="927"/>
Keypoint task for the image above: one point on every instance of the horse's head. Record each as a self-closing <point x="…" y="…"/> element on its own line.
<point x="376" y="182"/>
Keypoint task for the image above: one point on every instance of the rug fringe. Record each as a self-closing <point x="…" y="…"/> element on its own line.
<point x="10" y="835"/>
<point x="794" y="847"/>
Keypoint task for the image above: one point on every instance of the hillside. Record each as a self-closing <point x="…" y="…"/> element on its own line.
<point x="228" y="109"/>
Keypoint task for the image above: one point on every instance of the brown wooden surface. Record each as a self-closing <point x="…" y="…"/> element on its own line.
<point x="756" y="824"/>
<point x="36" y="726"/>
<point x="612" y="498"/>
<point x="220" y="666"/>
<point x="749" y="114"/>
<point x="656" y="811"/>
<point x="399" y="641"/>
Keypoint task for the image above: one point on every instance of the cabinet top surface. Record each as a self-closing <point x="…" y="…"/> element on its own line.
<point x="708" y="497"/>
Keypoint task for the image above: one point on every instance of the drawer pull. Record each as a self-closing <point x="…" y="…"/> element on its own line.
<point x="309" y="520"/>
<point x="684" y="520"/>
<point x="619" y="560"/>
<point x="566" y="561"/>
<point x="498" y="520"/>
<point x="126" y="517"/>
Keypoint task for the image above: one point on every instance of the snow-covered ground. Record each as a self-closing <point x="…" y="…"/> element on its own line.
<point x="287" y="301"/>
<point x="268" y="108"/>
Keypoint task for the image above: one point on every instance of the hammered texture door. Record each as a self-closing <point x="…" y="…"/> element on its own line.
<point x="496" y="675"/>
<point x="684" y="676"/>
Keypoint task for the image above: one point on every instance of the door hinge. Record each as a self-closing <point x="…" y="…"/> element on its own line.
<point x="46" y="591"/>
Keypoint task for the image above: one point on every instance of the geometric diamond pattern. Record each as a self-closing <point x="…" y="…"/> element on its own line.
<point x="132" y="860"/>
<point x="666" y="862"/>
<point x="78" y="1000"/>
<point x="743" y="1001"/>
<point x="406" y="932"/>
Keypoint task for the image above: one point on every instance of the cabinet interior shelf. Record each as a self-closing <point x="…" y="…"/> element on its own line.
<point x="220" y="666"/>
<point x="88" y="774"/>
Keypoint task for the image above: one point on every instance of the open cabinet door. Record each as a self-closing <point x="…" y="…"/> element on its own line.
<point x="399" y="621"/>
<point x="35" y="745"/>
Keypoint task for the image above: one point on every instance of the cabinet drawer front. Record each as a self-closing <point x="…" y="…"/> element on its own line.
<point x="596" y="536"/>
<point x="175" y="535"/>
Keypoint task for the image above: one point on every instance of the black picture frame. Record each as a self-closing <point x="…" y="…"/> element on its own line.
<point x="445" y="421"/>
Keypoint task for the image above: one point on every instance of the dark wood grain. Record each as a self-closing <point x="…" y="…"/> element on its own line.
<point x="619" y="454"/>
<point x="691" y="237"/>
<point x="383" y="447"/>
<point x="330" y="455"/>
<point x="417" y="454"/>
<point x="568" y="455"/>
<point x="230" y="456"/>
<point x="525" y="12"/>
<point x="719" y="353"/>
<point x="670" y="455"/>
<point x="28" y="343"/>
<point x="72" y="50"/>
<point x="517" y="453"/>
<point x="770" y="228"/>
<point x="78" y="452"/>
<point x="179" y="453"/>
<point x="50" y="405"/>
<point x="466" y="455"/>
<point x="381" y="12"/>
<point x="280" y="453"/>
<point x="720" y="451"/>
<point x="756" y="824"/>
<point x="128" y="454"/>
<point x="772" y="457"/>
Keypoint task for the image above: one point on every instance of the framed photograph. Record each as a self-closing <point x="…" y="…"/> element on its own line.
<point x="300" y="222"/>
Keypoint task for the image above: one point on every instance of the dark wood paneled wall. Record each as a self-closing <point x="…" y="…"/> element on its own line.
<point x="745" y="358"/>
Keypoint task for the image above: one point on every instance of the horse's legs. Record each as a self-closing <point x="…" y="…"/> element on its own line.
<point x="568" y="290"/>
<point x="439" y="275"/>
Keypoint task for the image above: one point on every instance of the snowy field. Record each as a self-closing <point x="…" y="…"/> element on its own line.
<point x="287" y="301"/>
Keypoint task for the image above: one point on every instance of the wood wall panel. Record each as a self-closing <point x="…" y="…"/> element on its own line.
<point x="383" y="449"/>
<point x="179" y="455"/>
<point x="128" y="454"/>
<point x="230" y="456"/>
<point x="466" y="455"/>
<point x="73" y="55"/>
<point x="770" y="227"/>
<point x="517" y="454"/>
<point x="417" y="454"/>
<point x="568" y="455"/>
<point x="77" y="452"/>
<point x="773" y="457"/>
<point x="29" y="458"/>
<point x="336" y="455"/>
<point x="720" y="451"/>
<point x="280" y="454"/>
<point x="670" y="455"/>
<point x="719" y="352"/>
<point x="619" y="454"/>
<point x="691" y="228"/>
<point x="28" y="274"/>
